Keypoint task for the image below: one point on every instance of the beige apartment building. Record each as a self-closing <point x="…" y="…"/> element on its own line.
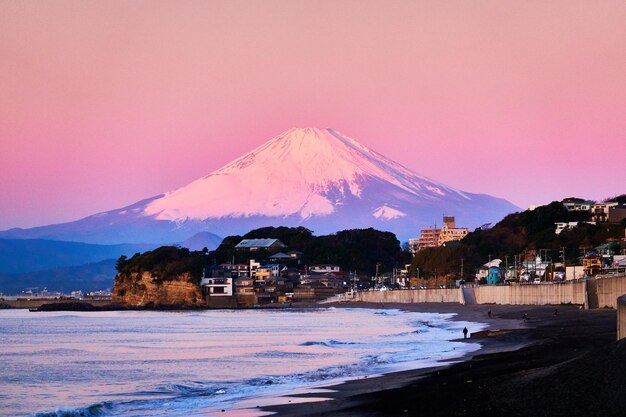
<point x="433" y="237"/>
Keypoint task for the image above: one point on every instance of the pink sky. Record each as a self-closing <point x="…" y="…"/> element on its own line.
<point x="103" y="103"/>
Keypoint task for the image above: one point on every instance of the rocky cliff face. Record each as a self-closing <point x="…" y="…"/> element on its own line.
<point x="144" y="290"/>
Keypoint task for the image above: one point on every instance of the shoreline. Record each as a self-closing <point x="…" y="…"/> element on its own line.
<point x="539" y="367"/>
<point x="494" y="338"/>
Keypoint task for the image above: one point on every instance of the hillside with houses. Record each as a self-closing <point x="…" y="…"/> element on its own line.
<point x="266" y="266"/>
<point x="566" y="240"/>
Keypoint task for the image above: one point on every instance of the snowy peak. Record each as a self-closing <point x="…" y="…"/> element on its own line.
<point x="303" y="171"/>
<point x="316" y="178"/>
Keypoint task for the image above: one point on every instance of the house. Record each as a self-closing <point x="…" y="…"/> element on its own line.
<point x="600" y="211"/>
<point x="617" y="213"/>
<point x="577" y="204"/>
<point x="262" y="274"/>
<point x="280" y="257"/>
<point x="237" y="270"/>
<point x="294" y="254"/>
<point x="592" y="264"/>
<point x="324" y="268"/>
<point x="560" y="226"/>
<point x="252" y="245"/>
<point x="483" y="271"/>
<point x="218" y="284"/>
<point x="244" y="286"/>
<point x="537" y="266"/>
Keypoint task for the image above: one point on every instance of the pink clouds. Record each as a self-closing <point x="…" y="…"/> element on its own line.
<point x="105" y="103"/>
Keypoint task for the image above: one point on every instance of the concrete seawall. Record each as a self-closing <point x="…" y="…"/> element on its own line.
<point x="567" y="293"/>
<point x="435" y="295"/>
<point x="621" y="317"/>
<point x="609" y="289"/>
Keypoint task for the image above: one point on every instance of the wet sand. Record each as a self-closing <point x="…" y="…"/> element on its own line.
<point x="567" y="364"/>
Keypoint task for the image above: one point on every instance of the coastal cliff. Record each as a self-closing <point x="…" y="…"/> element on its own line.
<point x="167" y="276"/>
<point x="142" y="289"/>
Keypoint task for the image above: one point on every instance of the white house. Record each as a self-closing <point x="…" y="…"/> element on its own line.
<point x="325" y="268"/>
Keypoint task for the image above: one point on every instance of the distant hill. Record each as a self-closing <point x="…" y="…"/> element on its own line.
<point x="28" y="255"/>
<point x="90" y="277"/>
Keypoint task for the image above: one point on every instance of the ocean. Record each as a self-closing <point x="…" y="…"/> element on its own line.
<point x="197" y="363"/>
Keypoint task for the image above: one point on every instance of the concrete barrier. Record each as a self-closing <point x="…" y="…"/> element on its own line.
<point x="434" y="295"/>
<point x="609" y="289"/>
<point x="621" y="317"/>
<point x="566" y="293"/>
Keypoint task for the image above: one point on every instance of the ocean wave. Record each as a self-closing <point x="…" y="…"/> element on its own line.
<point x="329" y="343"/>
<point x="93" y="410"/>
<point x="195" y="389"/>
<point x="281" y="354"/>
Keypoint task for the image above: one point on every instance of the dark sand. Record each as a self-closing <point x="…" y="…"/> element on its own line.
<point x="563" y="365"/>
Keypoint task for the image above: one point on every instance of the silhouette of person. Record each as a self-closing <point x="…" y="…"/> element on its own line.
<point x="556" y="311"/>
<point x="465" y="332"/>
<point x="489" y="313"/>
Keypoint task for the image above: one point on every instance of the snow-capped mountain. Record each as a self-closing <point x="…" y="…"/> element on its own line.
<point x="317" y="178"/>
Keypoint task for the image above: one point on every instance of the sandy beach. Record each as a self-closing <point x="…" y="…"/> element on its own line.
<point x="564" y="364"/>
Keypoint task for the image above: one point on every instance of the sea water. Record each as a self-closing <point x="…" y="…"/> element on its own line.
<point x="149" y="363"/>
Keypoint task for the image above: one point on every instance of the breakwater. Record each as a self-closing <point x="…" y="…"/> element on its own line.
<point x="38" y="302"/>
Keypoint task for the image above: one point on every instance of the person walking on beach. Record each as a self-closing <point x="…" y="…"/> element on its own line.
<point x="489" y="313"/>
<point x="465" y="332"/>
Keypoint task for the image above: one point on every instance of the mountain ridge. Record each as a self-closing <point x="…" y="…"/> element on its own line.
<point x="317" y="178"/>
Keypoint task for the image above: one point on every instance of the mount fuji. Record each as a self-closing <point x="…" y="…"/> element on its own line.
<point x="317" y="178"/>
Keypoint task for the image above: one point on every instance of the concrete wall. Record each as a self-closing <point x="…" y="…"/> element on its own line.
<point x="609" y="289"/>
<point x="435" y="295"/>
<point x="621" y="317"/>
<point x="565" y="293"/>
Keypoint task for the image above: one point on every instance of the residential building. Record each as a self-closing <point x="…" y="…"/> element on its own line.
<point x="577" y="204"/>
<point x="244" y="286"/>
<point x="256" y="244"/>
<point x="592" y="264"/>
<point x="433" y="237"/>
<point x="237" y="270"/>
<point x="483" y="271"/>
<point x="617" y="213"/>
<point x="560" y="226"/>
<point x="600" y="211"/>
<point x="449" y="232"/>
<point x="325" y="268"/>
<point x="218" y="284"/>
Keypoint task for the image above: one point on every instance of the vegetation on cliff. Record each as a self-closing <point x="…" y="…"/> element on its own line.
<point x="164" y="263"/>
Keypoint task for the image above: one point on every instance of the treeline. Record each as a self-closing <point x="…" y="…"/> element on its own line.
<point x="527" y="233"/>
<point x="164" y="263"/>
<point x="357" y="250"/>
<point x="353" y="250"/>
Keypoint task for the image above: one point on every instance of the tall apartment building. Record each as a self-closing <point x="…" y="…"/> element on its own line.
<point x="433" y="237"/>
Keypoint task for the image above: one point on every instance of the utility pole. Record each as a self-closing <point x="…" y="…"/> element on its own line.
<point x="506" y="266"/>
<point x="461" y="268"/>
